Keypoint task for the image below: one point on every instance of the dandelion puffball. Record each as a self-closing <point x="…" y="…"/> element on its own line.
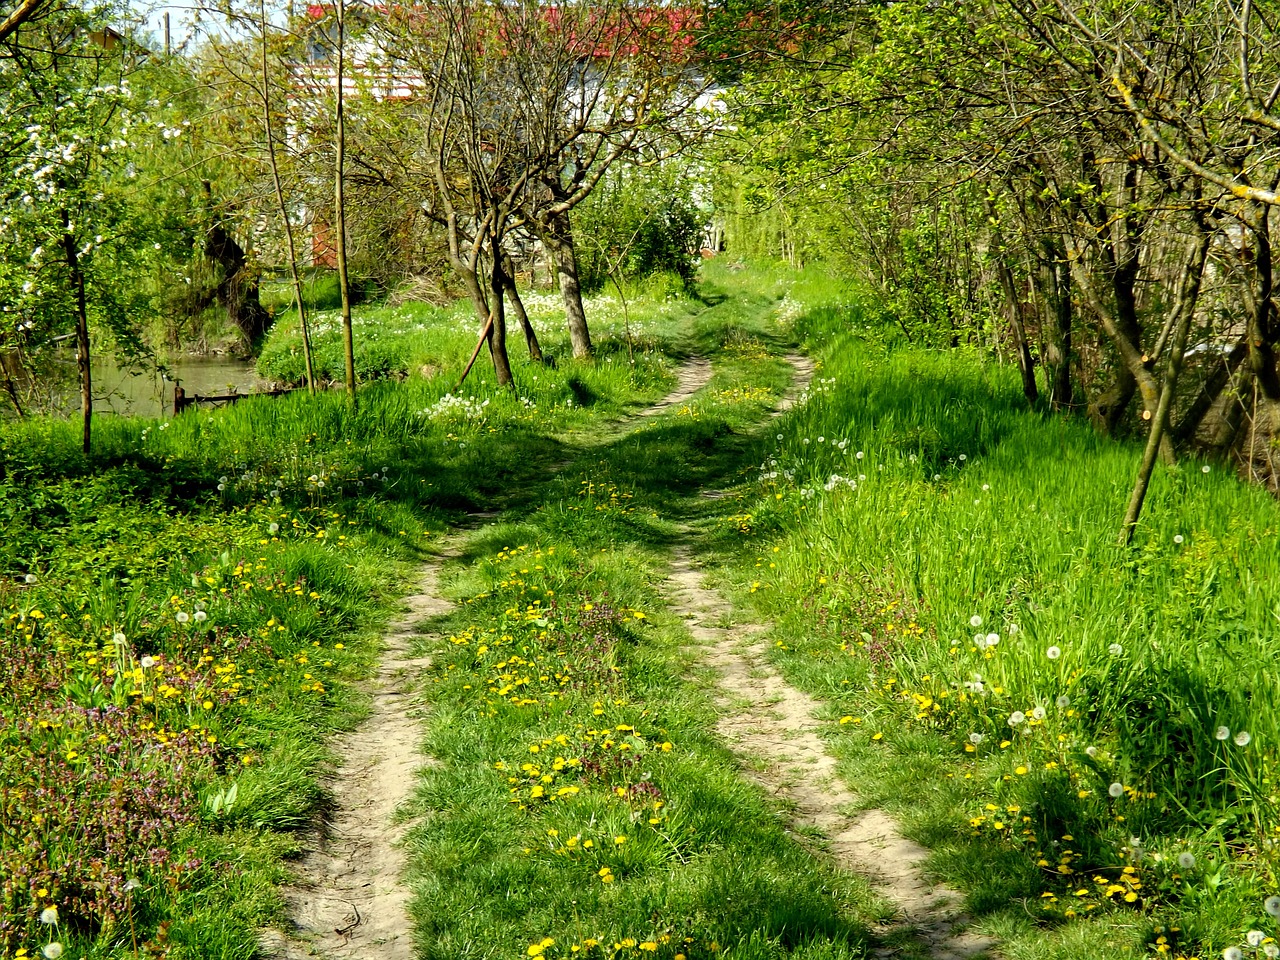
<point x="1177" y="538"/>
<point x="52" y="951"/>
<point x="1242" y="738"/>
<point x="1016" y="718"/>
<point x="1186" y="861"/>
<point x="147" y="662"/>
<point x="976" y="738"/>
<point x="200" y="616"/>
<point x="1115" y="649"/>
<point x="1063" y="702"/>
<point x="1116" y="790"/>
<point x="49" y="916"/>
<point x="1038" y="713"/>
<point x="1272" y="906"/>
<point x="1254" y="938"/>
<point x="182" y="616"/>
<point x="993" y="639"/>
<point x="30" y="578"/>
<point x="1222" y="733"/>
<point x="975" y="621"/>
<point x="1053" y="653"/>
<point x="1091" y="751"/>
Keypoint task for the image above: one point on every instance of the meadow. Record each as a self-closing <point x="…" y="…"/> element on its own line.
<point x="1085" y="736"/>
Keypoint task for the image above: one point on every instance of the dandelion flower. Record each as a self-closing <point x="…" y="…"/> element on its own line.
<point x="1242" y="738"/>
<point x="1272" y="906"/>
<point x="964" y="457"/>
<point x="1186" y="860"/>
<point x="1205" y="468"/>
<point x="1254" y="938"/>
<point x="1115" y="649"/>
<point x="118" y="639"/>
<point x="49" y="916"/>
<point x="1012" y="629"/>
<point x="273" y="529"/>
<point x="148" y="662"/>
<point x="131" y="885"/>
<point x="1063" y="702"/>
<point x="975" y="621"/>
<point x="1177" y="538"/>
<point x="1270" y="950"/>
<point x="1016" y="718"/>
<point x="859" y="454"/>
<point x="993" y="639"/>
<point x="1038" y="713"/>
<point x="1116" y="790"/>
<point x="30" y="578"/>
<point x="1222" y="733"/>
<point x="182" y="616"/>
<point x="1232" y="953"/>
<point x="1053" y="653"/>
<point x="1091" y="751"/>
<point x="200" y="616"/>
<point x="976" y="738"/>
<point x="52" y="951"/>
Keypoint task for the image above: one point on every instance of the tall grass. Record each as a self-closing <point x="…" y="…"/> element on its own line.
<point x="953" y="557"/>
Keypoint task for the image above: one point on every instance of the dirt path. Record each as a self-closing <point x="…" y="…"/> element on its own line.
<point x="693" y="375"/>
<point x="349" y="900"/>
<point x="769" y="722"/>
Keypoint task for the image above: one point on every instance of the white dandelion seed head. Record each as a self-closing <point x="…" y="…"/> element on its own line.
<point x="993" y="639"/>
<point x="1242" y="738"/>
<point x="980" y="641"/>
<point x="1186" y="860"/>
<point x="1038" y="713"/>
<point x="118" y="639"/>
<point x="1222" y="733"/>
<point x="1270" y="950"/>
<point x="1272" y="906"/>
<point x="1063" y="702"/>
<point x="859" y="454"/>
<point x="147" y="662"/>
<point x="1254" y="938"/>
<point x="1115" y="649"/>
<point x="131" y="885"/>
<point x="1205" y="468"/>
<point x="1232" y="953"/>
<point x="273" y="528"/>
<point x="1091" y="751"/>
<point x="986" y="487"/>
<point x="49" y="916"/>
<point x="30" y="578"/>
<point x="1012" y="629"/>
<point x="1116" y="790"/>
<point x="200" y="616"/>
<point x="975" y="621"/>
<point x="1177" y="538"/>
<point x="964" y="457"/>
<point x="976" y="738"/>
<point x="52" y="951"/>
<point x="1016" y="718"/>
<point x="182" y="616"/>
<point x="1053" y="653"/>
<point x="224" y="479"/>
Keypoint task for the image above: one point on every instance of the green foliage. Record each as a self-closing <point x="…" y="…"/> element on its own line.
<point x="639" y="221"/>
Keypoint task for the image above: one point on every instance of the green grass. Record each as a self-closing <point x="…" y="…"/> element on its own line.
<point x="925" y="496"/>
<point x="914" y="492"/>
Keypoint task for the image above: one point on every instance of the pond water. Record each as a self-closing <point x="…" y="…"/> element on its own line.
<point x="147" y="394"/>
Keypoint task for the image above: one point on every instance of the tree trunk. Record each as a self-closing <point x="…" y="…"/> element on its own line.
<point x="82" y="331"/>
<point x="1186" y="308"/>
<point x="509" y="287"/>
<point x="498" y="332"/>
<point x="1026" y="366"/>
<point x="1054" y="286"/>
<point x="283" y="207"/>
<point x="559" y="238"/>
<point x="340" y="214"/>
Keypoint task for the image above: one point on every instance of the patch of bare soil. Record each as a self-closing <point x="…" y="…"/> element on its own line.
<point x="804" y="368"/>
<point x="349" y="899"/>
<point x="692" y="376"/>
